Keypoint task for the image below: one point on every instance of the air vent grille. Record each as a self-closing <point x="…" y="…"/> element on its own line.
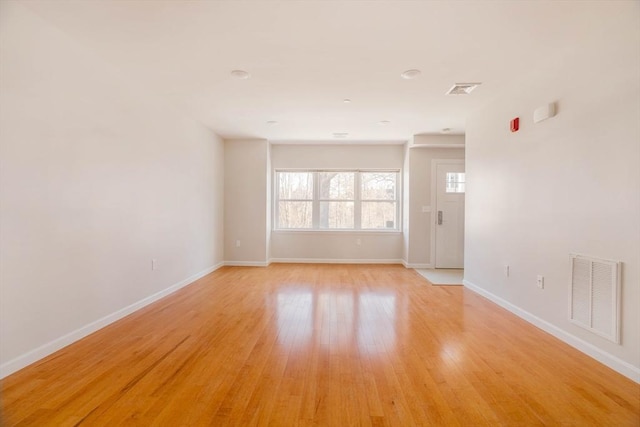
<point x="594" y="296"/>
<point x="462" y="88"/>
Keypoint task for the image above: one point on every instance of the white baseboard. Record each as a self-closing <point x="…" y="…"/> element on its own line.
<point x="43" y="351"/>
<point x="333" y="261"/>
<point x="409" y="265"/>
<point x="246" y="263"/>
<point x="628" y="370"/>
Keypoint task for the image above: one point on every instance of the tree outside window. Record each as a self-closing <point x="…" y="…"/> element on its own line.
<point x="337" y="200"/>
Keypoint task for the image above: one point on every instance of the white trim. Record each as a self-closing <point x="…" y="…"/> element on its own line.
<point x="45" y="350"/>
<point x="628" y="370"/>
<point x="324" y="142"/>
<point x="418" y="265"/>
<point x="414" y="265"/>
<point x="337" y="232"/>
<point x="334" y="261"/>
<point x="437" y="146"/>
<point x="247" y="263"/>
<point x="434" y="201"/>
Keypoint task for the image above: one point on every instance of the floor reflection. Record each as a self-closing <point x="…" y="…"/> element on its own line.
<point x="377" y="322"/>
<point x="336" y="321"/>
<point x="295" y="317"/>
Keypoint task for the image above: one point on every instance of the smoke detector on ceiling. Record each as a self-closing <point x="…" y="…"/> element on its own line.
<point x="240" y="74"/>
<point x="462" y="88"/>
<point x="410" y="74"/>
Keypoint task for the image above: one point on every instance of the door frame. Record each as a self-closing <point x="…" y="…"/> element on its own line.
<point x="434" y="207"/>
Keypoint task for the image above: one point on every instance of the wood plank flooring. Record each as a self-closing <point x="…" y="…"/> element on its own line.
<point x="328" y="345"/>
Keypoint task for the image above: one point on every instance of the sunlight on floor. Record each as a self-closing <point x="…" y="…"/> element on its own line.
<point x="442" y="276"/>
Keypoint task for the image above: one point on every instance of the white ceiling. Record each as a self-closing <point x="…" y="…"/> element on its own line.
<point x="305" y="57"/>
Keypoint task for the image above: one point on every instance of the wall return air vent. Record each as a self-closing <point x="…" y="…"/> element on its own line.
<point x="594" y="295"/>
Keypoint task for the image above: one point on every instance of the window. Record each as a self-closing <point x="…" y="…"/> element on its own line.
<point x="336" y="200"/>
<point x="378" y="200"/>
<point x="295" y="202"/>
<point x="455" y="182"/>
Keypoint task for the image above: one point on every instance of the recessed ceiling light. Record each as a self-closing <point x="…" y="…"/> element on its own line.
<point x="272" y="122"/>
<point x="340" y="134"/>
<point x="462" y="88"/>
<point x="240" y="74"/>
<point x="346" y="101"/>
<point x="410" y="74"/>
<point x="384" y="122"/>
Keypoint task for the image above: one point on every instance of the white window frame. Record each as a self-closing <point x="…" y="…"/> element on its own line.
<point x="357" y="211"/>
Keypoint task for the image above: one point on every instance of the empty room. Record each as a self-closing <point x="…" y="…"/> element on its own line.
<point x="330" y="213"/>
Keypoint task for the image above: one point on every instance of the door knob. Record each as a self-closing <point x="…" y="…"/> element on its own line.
<point x="439" y="217"/>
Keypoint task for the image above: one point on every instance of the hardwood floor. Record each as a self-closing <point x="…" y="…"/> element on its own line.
<point x="329" y="345"/>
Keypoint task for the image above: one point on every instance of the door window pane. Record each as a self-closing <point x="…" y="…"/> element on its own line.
<point x="455" y="182"/>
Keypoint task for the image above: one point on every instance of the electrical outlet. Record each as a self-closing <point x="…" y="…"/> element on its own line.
<point x="540" y="281"/>
<point x="237" y="243"/>
<point x="506" y="271"/>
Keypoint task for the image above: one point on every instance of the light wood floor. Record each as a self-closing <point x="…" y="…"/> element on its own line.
<point x="325" y="345"/>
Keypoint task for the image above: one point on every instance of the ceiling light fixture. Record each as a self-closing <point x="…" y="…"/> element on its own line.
<point x="410" y="74"/>
<point x="384" y="122"/>
<point x="346" y="101"/>
<point x="272" y="122"/>
<point x="240" y="74"/>
<point x="462" y="88"/>
<point x="340" y="134"/>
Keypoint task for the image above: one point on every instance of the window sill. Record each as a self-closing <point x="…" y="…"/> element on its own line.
<point x="337" y="232"/>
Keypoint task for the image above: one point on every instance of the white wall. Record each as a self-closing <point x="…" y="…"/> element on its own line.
<point x="96" y="180"/>
<point x="337" y="246"/>
<point x="406" y="201"/>
<point x="246" y="201"/>
<point x="269" y="201"/>
<point x="568" y="184"/>
<point x="420" y="156"/>
<point x="438" y="141"/>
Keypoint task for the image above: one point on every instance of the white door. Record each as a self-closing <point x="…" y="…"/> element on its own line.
<point x="449" y="215"/>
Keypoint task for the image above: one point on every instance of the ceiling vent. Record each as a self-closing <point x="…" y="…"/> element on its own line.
<point x="462" y="88"/>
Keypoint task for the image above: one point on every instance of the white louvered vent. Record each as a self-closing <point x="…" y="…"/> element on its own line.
<point x="594" y="296"/>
